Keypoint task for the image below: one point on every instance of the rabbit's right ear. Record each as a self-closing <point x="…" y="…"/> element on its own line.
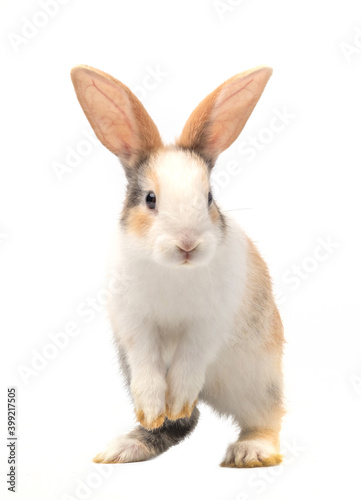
<point x="218" y="120"/>
<point x="116" y="115"/>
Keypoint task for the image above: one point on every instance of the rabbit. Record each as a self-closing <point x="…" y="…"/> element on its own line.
<point x="194" y="319"/>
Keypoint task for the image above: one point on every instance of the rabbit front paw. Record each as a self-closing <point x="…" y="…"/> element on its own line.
<point x="182" y="394"/>
<point x="150" y="419"/>
<point x="176" y="409"/>
<point x="149" y="404"/>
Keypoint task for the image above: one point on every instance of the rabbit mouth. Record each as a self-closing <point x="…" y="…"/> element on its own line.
<point x="187" y="256"/>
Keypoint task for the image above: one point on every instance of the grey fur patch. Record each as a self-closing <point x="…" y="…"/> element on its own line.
<point x="275" y="393"/>
<point x="134" y="191"/>
<point x="169" y="434"/>
<point x="124" y="366"/>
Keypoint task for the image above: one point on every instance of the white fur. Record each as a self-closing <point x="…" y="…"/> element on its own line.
<point x="124" y="449"/>
<point x="181" y="325"/>
<point x="243" y="453"/>
<point x="192" y="310"/>
<point x="181" y="213"/>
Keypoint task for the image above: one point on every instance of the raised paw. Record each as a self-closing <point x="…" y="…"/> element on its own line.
<point x="251" y="453"/>
<point x="148" y="421"/>
<point x="124" y="449"/>
<point x="174" y="413"/>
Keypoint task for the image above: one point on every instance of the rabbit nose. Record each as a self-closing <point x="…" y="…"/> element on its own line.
<point x="187" y="245"/>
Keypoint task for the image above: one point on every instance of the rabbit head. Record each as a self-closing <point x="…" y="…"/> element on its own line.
<point x="169" y="214"/>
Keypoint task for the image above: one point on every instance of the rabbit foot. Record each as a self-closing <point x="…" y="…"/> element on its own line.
<point x="124" y="449"/>
<point x="251" y="453"/>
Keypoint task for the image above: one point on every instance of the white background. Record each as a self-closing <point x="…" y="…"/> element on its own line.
<point x="300" y="188"/>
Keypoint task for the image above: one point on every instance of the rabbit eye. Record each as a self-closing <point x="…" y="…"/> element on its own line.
<point x="210" y="198"/>
<point x="150" y="200"/>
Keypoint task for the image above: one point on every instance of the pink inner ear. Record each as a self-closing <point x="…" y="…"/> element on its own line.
<point x="230" y="113"/>
<point x="110" y="114"/>
<point x="231" y="91"/>
<point x="118" y="118"/>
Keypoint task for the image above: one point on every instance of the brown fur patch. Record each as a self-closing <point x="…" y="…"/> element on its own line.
<point x="271" y="435"/>
<point x="261" y="276"/>
<point x="274" y="459"/>
<point x="186" y="411"/>
<point x="204" y="133"/>
<point x="204" y="175"/>
<point x="260" y="308"/>
<point x="267" y="434"/>
<point x="98" y="459"/>
<point x="277" y="338"/>
<point x="127" y="130"/>
<point x="157" y="422"/>
<point x="214" y="214"/>
<point x="152" y="177"/>
<point x="139" y="220"/>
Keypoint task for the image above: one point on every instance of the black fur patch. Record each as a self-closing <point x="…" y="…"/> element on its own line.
<point x="169" y="434"/>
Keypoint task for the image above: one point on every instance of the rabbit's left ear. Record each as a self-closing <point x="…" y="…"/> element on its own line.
<point x="218" y="120"/>
<point x="118" y="118"/>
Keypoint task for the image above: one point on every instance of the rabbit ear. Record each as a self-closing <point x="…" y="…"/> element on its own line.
<point x="218" y="120"/>
<point x="118" y="118"/>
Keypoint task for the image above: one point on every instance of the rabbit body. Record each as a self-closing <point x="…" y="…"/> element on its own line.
<point x="193" y="313"/>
